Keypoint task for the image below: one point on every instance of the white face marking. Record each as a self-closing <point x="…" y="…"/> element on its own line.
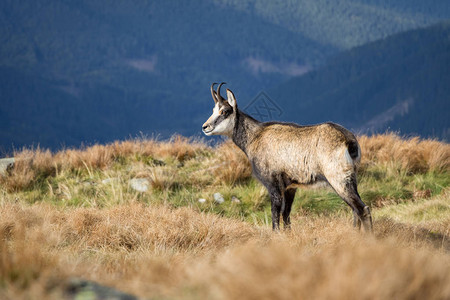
<point x="225" y="127"/>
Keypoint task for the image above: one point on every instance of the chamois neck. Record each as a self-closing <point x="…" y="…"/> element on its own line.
<point x="245" y="130"/>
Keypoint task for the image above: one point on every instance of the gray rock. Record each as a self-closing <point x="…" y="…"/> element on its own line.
<point x="6" y="164"/>
<point x="235" y="199"/>
<point x="110" y="180"/>
<point x="218" y="198"/>
<point x="88" y="183"/>
<point x="139" y="184"/>
<point x="81" y="289"/>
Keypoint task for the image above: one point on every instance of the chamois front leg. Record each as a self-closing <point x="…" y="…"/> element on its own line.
<point x="276" y="209"/>
<point x="277" y="200"/>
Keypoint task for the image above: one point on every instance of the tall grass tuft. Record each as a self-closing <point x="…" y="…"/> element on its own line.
<point x="232" y="164"/>
<point x="30" y="166"/>
<point x="412" y="155"/>
<point x="33" y="165"/>
<point x="160" y="252"/>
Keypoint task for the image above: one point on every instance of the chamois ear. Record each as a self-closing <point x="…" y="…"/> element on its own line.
<point x="231" y="99"/>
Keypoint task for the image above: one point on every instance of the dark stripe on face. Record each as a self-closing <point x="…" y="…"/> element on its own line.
<point x="224" y="113"/>
<point x="219" y="119"/>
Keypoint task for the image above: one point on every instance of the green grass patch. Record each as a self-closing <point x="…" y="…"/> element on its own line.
<point x="183" y="183"/>
<point x="324" y="202"/>
<point x="432" y="210"/>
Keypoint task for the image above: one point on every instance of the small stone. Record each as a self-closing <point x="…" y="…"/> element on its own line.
<point x="88" y="183"/>
<point x="77" y="288"/>
<point x="218" y="198"/>
<point x="235" y="199"/>
<point x="139" y="184"/>
<point x="202" y="200"/>
<point x="6" y="165"/>
<point x="109" y="180"/>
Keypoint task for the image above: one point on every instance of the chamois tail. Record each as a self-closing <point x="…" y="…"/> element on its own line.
<point x="353" y="152"/>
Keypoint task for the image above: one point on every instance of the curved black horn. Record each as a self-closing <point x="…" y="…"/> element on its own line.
<point x="219" y="97"/>
<point x="213" y="93"/>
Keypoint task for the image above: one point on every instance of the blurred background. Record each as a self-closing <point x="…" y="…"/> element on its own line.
<point x="76" y="72"/>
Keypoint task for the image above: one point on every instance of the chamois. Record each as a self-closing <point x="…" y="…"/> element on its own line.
<point x="285" y="156"/>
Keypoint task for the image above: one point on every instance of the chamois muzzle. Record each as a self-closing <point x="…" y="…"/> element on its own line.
<point x="205" y="127"/>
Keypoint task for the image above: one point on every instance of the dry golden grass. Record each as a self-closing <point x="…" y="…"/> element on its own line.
<point x="229" y="164"/>
<point x="432" y="214"/>
<point x="232" y="165"/>
<point x="412" y="155"/>
<point x="179" y="253"/>
<point x="102" y="156"/>
<point x="31" y="164"/>
<point x="154" y="250"/>
<point x="117" y="246"/>
<point x="353" y="268"/>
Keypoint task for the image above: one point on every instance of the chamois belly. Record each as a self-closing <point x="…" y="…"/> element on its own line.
<point x="297" y="169"/>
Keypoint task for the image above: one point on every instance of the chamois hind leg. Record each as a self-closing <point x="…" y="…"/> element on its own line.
<point x="289" y="195"/>
<point x="356" y="221"/>
<point x="346" y="188"/>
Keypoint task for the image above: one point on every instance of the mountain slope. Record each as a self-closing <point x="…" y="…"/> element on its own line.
<point x="401" y="83"/>
<point x="75" y="72"/>
<point x="346" y="23"/>
<point x="94" y="71"/>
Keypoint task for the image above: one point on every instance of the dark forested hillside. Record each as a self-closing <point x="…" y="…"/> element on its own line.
<point x="401" y="83"/>
<point x="346" y="23"/>
<point x="95" y="71"/>
<point x="92" y="71"/>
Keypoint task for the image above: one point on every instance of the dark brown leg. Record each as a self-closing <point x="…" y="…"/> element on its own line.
<point x="289" y="195"/>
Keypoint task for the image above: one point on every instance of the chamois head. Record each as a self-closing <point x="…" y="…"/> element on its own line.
<point x="223" y="117"/>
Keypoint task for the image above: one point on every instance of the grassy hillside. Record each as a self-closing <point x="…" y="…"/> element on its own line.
<point x="74" y="213"/>
<point x="399" y="84"/>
